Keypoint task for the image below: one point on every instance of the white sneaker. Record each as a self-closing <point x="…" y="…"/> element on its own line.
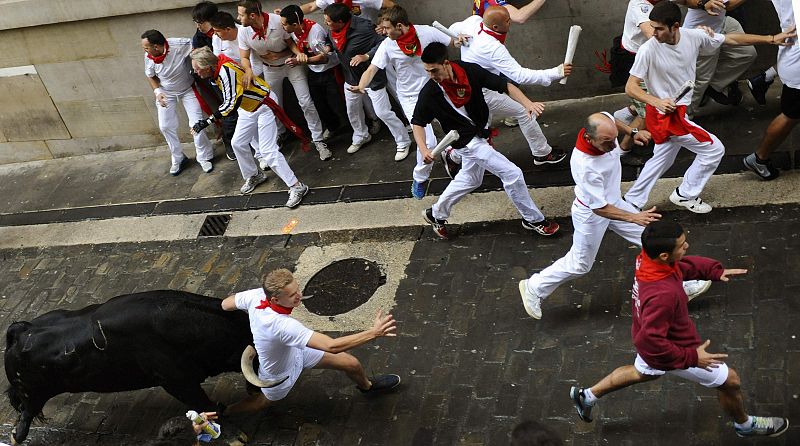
<point x="695" y="205"/>
<point x="206" y="165"/>
<point x="510" y="122"/>
<point x="356" y="146"/>
<point x="531" y="302"/>
<point x="263" y="163"/>
<point x="252" y="182"/>
<point x="296" y="195"/>
<point x="375" y="127"/>
<point x="402" y="153"/>
<point x="694" y="288"/>
<point x="176" y="168"/>
<point x="324" y="152"/>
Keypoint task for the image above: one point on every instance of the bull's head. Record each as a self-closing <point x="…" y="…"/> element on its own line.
<point x="250" y="374"/>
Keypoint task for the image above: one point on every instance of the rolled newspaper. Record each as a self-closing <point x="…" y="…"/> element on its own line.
<point x="451" y="137"/>
<point x="572" y="44"/>
<point x="445" y="30"/>
<point x="796" y="10"/>
<point x="684" y="90"/>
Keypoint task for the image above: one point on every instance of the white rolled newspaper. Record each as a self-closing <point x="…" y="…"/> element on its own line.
<point x="572" y="44"/>
<point x="447" y="31"/>
<point x="451" y="137"/>
<point x="684" y="90"/>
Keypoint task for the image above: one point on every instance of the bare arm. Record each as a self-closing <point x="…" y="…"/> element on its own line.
<point x="533" y="108"/>
<point x="647" y="29"/>
<point x="366" y="78"/>
<point x="309" y="7"/>
<point x="640" y="218"/>
<point x="739" y="39"/>
<point x="422" y="143"/>
<point x="521" y="15"/>
<point x="383" y="326"/>
<point x="229" y="303"/>
<point x="633" y="90"/>
<point x="154" y="82"/>
<point x="388" y="4"/>
<point x="641" y="138"/>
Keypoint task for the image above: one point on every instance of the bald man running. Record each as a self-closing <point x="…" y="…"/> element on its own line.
<point x="598" y="206"/>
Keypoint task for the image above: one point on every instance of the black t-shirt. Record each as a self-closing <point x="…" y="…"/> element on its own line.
<point x="432" y="104"/>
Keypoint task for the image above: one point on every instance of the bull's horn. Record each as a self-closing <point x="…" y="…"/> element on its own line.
<point x="250" y="375"/>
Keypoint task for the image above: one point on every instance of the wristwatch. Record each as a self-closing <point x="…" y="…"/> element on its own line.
<point x="634" y="131"/>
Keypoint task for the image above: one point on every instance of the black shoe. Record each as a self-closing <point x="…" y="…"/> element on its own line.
<point x="382" y="384"/>
<point x="758" y="87"/>
<point x="716" y="96"/>
<point x="762" y="168"/>
<point x="555" y="156"/>
<point x="451" y="167"/>
<point x="437" y="225"/>
<point x="734" y="94"/>
<point x="229" y="153"/>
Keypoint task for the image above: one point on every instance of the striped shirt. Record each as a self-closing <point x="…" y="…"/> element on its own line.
<point x="234" y="95"/>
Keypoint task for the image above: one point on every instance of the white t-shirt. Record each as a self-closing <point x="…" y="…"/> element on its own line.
<point x="411" y="74"/>
<point x="638" y="13"/>
<point x="788" y="56"/>
<point x="492" y="55"/>
<point x="367" y="9"/>
<point x="317" y="35"/>
<point x="230" y="48"/>
<point x="665" y="68"/>
<point x="597" y="178"/>
<point x="175" y="72"/>
<point x="275" y="40"/>
<point x="279" y="339"/>
<point x="698" y="17"/>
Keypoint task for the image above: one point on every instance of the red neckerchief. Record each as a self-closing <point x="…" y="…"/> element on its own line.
<point x="302" y="43"/>
<point x="262" y="33"/>
<point x="585" y="146"/>
<point x="649" y="270"/>
<point x="348" y="3"/>
<point x="280" y="309"/>
<point x="661" y="126"/>
<point x="222" y="60"/>
<point x="459" y="91"/>
<point x="340" y="37"/>
<point x="160" y="59"/>
<point x="409" y="42"/>
<point x="210" y="33"/>
<point x="499" y="36"/>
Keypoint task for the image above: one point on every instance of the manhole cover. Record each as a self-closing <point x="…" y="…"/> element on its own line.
<point x="342" y="286"/>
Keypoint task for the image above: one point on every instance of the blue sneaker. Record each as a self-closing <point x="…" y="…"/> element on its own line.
<point x="584" y="410"/>
<point x="418" y="190"/>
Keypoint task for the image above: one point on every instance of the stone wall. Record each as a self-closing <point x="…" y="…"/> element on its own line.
<point x="73" y="83"/>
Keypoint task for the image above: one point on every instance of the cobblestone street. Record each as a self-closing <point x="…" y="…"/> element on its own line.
<point x="473" y="363"/>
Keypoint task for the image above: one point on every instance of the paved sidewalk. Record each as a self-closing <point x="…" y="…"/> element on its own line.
<point x="473" y="364"/>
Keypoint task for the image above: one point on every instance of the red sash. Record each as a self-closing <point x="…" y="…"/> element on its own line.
<point x="340" y="37"/>
<point x="160" y="59"/>
<point x="409" y="42"/>
<point x="586" y="147"/>
<point x="663" y="126"/>
<point x="459" y="91"/>
<point x="499" y="36"/>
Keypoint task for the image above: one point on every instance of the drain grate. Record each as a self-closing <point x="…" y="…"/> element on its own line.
<point x="214" y="225"/>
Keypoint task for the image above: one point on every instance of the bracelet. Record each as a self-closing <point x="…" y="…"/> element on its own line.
<point x="157" y="91"/>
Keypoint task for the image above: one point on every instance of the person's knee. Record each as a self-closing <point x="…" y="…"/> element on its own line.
<point x="732" y="382"/>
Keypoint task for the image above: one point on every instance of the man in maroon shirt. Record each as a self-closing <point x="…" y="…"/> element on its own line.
<point x="666" y="339"/>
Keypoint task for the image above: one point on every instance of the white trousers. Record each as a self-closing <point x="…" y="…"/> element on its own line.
<point x="502" y="106"/>
<point x="168" y="124"/>
<point x="382" y="107"/>
<point x="724" y="67"/>
<point x="261" y="125"/>
<point x="299" y="80"/>
<point x="421" y="171"/>
<point x="476" y="158"/>
<point x="708" y="156"/>
<point x="586" y="239"/>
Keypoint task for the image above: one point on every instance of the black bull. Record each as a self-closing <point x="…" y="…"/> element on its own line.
<point x="171" y="339"/>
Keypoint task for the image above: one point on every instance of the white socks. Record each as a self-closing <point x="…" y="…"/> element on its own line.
<point x="588" y="397"/>
<point x="746" y="426"/>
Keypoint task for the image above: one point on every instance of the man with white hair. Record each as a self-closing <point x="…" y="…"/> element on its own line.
<point x="167" y="67"/>
<point x="258" y="111"/>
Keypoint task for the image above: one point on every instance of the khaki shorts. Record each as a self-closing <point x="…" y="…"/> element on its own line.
<point x="640" y="106"/>
<point x="713" y="378"/>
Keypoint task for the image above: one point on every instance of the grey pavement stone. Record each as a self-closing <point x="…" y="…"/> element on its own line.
<point x="473" y="364"/>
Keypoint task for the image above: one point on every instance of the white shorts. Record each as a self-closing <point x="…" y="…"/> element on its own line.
<point x="306" y="358"/>
<point x="713" y="378"/>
